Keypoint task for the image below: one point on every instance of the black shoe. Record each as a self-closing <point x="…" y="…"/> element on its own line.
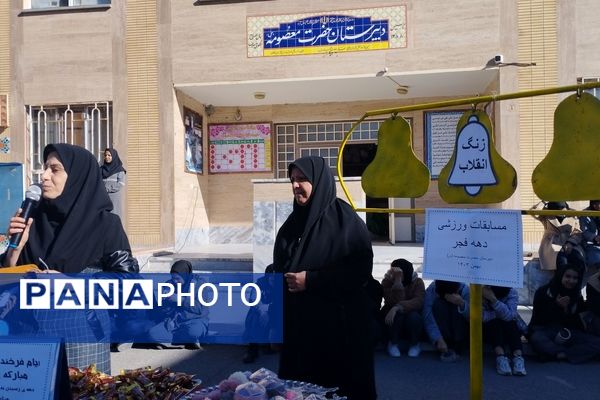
<point x="250" y="356"/>
<point x="192" y="346"/>
<point x="146" y="346"/>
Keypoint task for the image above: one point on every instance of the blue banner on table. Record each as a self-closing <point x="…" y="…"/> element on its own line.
<point x="231" y="308"/>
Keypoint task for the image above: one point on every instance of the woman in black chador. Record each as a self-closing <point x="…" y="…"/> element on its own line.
<point x="71" y="231"/>
<point x="72" y="227"/>
<point x="325" y="252"/>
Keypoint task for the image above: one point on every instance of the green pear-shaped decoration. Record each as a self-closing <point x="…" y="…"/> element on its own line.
<point x="395" y="171"/>
<point x="571" y="169"/>
<point x="476" y="173"/>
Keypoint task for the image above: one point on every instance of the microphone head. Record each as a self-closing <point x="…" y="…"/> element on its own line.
<point x="34" y="192"/>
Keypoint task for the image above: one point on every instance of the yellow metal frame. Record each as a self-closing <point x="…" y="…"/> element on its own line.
<point x="449" y="103"/>
<point x="475" y="300"/>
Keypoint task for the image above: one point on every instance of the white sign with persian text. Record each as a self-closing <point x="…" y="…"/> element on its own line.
<point x="440" y="135"/>
<point x="474" y="246"/>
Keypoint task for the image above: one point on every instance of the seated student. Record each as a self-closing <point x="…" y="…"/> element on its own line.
<point x="590" y="226"/>
<point x="257" y="320"/>
<point x="503" y="326"/>
<point x="556" y="329"/>
<point x="403" y="293"/>
<point x="562" y="241"/>
<point x="185" y="324"/>
<point x="592" y="305"/>
<point x="445" y="317"/>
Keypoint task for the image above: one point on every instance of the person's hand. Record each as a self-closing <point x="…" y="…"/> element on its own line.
<point x="389" y="317"/>
<point x="454" y="298"/>
<point x="441" y="345"/>
<point x="488" y="294"/>
<point x="19" y="225"/>
<point x="296" y="281"/>
<point x="563" y="301"/>
<point x="389" y="274"/>
<point x="398" y="274"/>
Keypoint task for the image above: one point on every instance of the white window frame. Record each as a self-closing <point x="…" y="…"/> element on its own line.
<point x="88" y="125"/>
<point x="594" y="91"/>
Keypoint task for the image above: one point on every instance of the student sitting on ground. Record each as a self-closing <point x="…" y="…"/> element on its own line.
<point x="592" y="305"/>
<point x="556" y="329"/>
<point x="502" y="326"/>
<point x="185" y="324"/>
<point x="403" y="293"/>
<point x="445" y="316"/>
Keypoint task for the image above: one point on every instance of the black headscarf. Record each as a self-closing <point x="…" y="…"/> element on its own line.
<point x="556" y="287"/>
<point x="407" y="270"/>
<point x="76" y="229"/>
<point x="321" y="232"/>
<point x="109" y="169"/>
<point x="500" y="291"/>
<point x="184" y="269"/>
<point x="443" y="288"/>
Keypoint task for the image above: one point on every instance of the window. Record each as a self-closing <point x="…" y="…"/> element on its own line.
<point x="35" y="4"/>
<point x="318" y="139"/>
<point x="594" y="91"/>
<point x="85" y="125"/>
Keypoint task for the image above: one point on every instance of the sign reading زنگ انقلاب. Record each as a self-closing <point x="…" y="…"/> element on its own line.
<point x="28" y="370"/>
<point x="474" y="246"/>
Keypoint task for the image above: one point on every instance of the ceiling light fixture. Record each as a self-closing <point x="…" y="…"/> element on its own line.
<point x="401" y="89"/>
<point x="260" y="95"/>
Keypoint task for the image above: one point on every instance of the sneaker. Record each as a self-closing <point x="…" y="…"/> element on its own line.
<point x="518" y="368"/>
<point x="503" y="366"/>
<point x="414" y="351"/>
<point x="393" y="350"/>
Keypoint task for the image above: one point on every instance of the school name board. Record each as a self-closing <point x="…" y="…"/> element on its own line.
<point x="474" y="246"/>
<point x="331" y="32"/>
<point x="239" y="148"/>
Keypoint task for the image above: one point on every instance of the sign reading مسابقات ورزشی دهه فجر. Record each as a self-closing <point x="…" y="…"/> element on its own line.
<point x="481" y="246"/>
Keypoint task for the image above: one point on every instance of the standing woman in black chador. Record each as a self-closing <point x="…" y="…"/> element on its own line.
<point x="324" y="250"/>
<point x="113" y="175"/>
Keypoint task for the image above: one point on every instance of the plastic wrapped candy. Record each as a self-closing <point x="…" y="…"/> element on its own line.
<point x="261" y="374"/>
<point x="238" y="377"/>
<point x="292" y="394"/>
<point x="273" y="385"/>
<point x="250" y="391"/>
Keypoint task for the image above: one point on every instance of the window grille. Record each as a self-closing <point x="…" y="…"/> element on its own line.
<point x="85" y="125"/>
<point x="35" y="4"/>
<point x="593" y="91"/>
<point x="318" y="138"/>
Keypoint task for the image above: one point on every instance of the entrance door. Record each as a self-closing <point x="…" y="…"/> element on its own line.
<point x="356" y="159"/>
<point x="401" y="225"/>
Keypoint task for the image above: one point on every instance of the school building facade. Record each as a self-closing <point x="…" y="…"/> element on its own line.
<point x="207" y="101"/>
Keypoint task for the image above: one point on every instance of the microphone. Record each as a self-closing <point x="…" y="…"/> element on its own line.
<point x="32" y="197"/>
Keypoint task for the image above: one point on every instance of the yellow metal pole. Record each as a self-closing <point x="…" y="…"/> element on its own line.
<point x="476" y="344"/>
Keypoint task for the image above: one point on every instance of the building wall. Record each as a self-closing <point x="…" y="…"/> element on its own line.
<point x="209" y="42"/>
<point x="74" y="56"/>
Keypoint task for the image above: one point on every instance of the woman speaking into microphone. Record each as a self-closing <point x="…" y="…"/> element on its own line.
<point x="72" y="230"/>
